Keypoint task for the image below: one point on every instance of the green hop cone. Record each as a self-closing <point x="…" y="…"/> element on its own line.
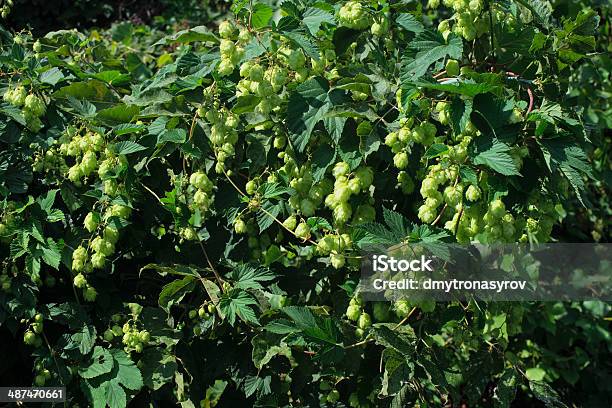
<point x="364" y="321"/>
<point x="302" y="231"/>
<point x="91" y="221"/>
<point x="353" y="312"/>
<point x="452" y="67"/>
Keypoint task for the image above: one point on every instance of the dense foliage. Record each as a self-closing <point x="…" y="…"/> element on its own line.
<point x="182" y="213"/>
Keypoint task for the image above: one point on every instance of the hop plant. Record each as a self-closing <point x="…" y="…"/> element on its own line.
<point x="354" y="15"/>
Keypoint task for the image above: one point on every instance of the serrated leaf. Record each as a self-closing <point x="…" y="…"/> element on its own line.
<point x="546" y="394"/>
<point x="281" y="326"/>
<point x="174" y="292"/>
<point x="261" y="15"/>
<point x="172" y="136"/>
<point x="82" y="107"/>
<point x="468" y="174"/>
<point x="497" y="157"/>
<point x="265" y="347"/>
<point x="127" y="128"/>
<point x="318" y="223"/>
<point x="460" y="111"/>
<point x="409" y="22"/>
<point x="455" y="86"/>
<point x="118" y="114"/>
<point x="128" y="374"/>
<point x="307" y="105"/>
<point x="334" y="126"/>
<point x="435" y="150"/>
<point x="303" y="42"/>
<point x="238" y="304"/>
<point x="266" y="218"/>
<point x="401" y="339"/>
<point x="313" y="17"/>
<point x="51" y="76"/>
<point x="246" y="103"/>
<point x="86" y="338"/>
<point x="101" y="363"/>
<point x="128" y="147"/>
<point x="427" y="48"/>
<point x="397" y="223"/>
<point x="321" y="329"/>
<point x="248" y="276"/>
<point x="51" y="253"/>
<point x="323" y="157"/>
<point x="158" y="368"/>
<point x="115" y="394"/>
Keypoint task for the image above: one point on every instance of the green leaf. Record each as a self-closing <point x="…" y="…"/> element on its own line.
<point x="118" y="114"/>
<point x="320" y="329"/>
<point x="86" y="338"/>
<point x="246" y="103"/>
<point x="158" y="368"/>
<point x="491" y="116"/>
<point x="307" y="105"/>
<point x="265" y="347"/>
<point x="303" y="42"/>
<point x="427" y="48"/>
<point x="174" y="292"/>
<point x="281" y="326"/>
<point x="468" y="174"/>
<point x="497" y="157"/>
<point x="334" y="126"/>
<point x="97" y="395"/>
<point x="435" y="150"/>
<point x="541" y="9"/>
<point x="313" y="17"/>
<point x="318" y="224"/>
<point x="460" y="111"/>
<point x="404" y="398"/>
<point x="51" y="254"/>
<point x="261" y="15"/>
<point x="401" y="339"/>
<point x="13" y="112"/>
<point x="546" y="394"/>
<point x="323" y="157"/>
<point x="399" y="225"/>
<point x="92" y="90"/>
<point x="199" y="33"/>
<point x="173" y="136"/>
<point x="456" y="86"/>
<point x="569" y="159"/>
<point x="179" y="270"/>
<point x="112" y="77"/>
<point x="115" y="394"/>
<point x="409" y="22"/>
<point x="505" y="389"/>
<point x="128" y="147"/>
<point x="535" y="374"/>
<point x="101" y="363"/>
<point x="266" y="218"/>
<point x="238" y="304"/>
<point x="83" y="107"/>
<point x="51" y="76"/>
<point x="248" y="276"/>
<point x="128" y="374"/>
<point x="127" y="128"/>
<point x="46" y="202"/>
